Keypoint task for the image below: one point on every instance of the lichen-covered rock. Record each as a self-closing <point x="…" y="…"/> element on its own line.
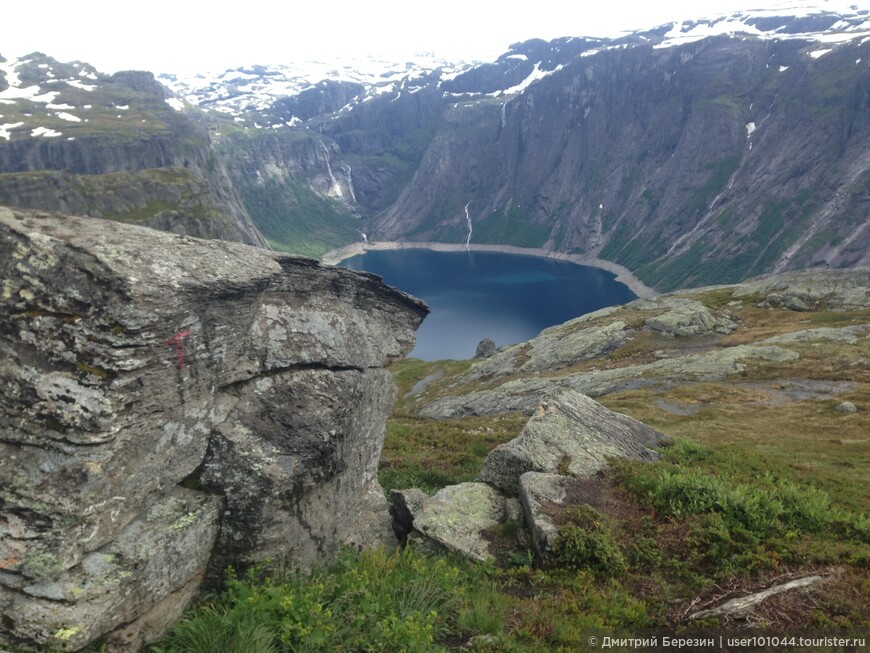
<point x="571" y="435"/>
<point x="458" y="516"/>
<point x="849" y="335"/>
<point x="134" y="361"/>
<point x="553" y="349"/>
<point x="538" y="490"/>
<point x="812" y="289"/>
<point x="153" y="557"/>
<point x="688" y="318"/>
<point x="523" y="394"/>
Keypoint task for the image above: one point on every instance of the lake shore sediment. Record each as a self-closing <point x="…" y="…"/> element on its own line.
<point x="623" y="274"/>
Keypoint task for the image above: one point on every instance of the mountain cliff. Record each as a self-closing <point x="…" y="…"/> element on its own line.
<point x="705" y="162"/>
<point x="696" y="152"/>
<point x="77" y="141"/>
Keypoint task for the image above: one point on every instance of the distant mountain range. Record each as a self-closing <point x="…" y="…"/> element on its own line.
<point x="696" y="152"/>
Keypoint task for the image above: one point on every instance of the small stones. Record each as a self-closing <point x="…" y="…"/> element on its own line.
<point x="847" y="407"/>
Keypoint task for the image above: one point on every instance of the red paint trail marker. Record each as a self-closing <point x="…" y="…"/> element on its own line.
<point x="176" y="340"/>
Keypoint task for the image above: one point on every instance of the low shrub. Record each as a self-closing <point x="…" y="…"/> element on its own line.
<point x="586" y="542"/>
<point x="369" y="601"/>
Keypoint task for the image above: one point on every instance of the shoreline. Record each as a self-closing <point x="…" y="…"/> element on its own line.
<point x="623" y="274"/>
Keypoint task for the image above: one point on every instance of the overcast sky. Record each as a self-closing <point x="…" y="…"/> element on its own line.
<point x="188" y="36"/>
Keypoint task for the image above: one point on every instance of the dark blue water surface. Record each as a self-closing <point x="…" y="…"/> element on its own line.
<point x="475" y="295"/>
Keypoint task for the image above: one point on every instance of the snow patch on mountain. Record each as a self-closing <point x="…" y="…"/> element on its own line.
<point x="6" y="129"/>
<point x="534" y="76"/>
<point x="826" y="21"/>
<point x="248" y="89"/>
<point x="45" y="131"/>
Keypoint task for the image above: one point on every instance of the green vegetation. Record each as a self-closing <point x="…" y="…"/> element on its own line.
<point x="372" y="601"/>
<point x="296" y="219"/>
<point x="431" y="454"/>
<point x="587" y="542"/>
<point x="512" y="228"/>
<point x="628" y="247"/>
<point x="778" y="226"/>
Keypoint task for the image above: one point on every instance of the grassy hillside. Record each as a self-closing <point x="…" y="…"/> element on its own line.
<point x="765" y="482"/>
<point x="296" y="219"/>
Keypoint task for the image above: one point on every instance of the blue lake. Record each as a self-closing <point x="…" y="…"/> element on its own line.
<point x="508" y="298"/>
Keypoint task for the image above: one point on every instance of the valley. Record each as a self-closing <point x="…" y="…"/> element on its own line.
<point x="693" y="153"/>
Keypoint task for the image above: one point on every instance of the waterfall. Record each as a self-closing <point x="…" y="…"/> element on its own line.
<point x="348" y="171"/>
<point x="470" y="229"/>
<point x="335" y="187"/>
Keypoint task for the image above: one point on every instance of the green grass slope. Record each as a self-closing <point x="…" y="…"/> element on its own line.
<point x="765" y="482"/>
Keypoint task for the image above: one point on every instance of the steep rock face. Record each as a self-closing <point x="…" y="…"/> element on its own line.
<point x="171" y="199"/>
<point x="295" y="186"/>
<point x="110" y="146"/>
<point x="706" y="162"/>
<point x="207" y="400"/>
<point x="383" y="141"/>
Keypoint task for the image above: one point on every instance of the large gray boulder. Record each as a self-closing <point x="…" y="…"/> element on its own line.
<point x="685" y="318"/>
<point x="170" y="405"/>
<point x="572" y="435"/>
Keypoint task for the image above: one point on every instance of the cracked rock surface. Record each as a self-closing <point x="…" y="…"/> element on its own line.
<point x="172" y="405"/>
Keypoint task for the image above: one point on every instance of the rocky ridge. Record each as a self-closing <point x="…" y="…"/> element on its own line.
<point x="674" y="339"/>
<point x="174" y="405"/>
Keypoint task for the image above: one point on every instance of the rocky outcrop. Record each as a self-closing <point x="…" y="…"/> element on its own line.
<point x="458" y="518"/>
<point x="834" y="290"/>
<point x="673" y="339"/>
<point x="171" y="405"/>
<point x="687" y="318"/>
<point x="570" y="436"/>
<point x="593" y="335"/>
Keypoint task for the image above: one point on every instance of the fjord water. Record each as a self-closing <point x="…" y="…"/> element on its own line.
<point x="508" y="298"/>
